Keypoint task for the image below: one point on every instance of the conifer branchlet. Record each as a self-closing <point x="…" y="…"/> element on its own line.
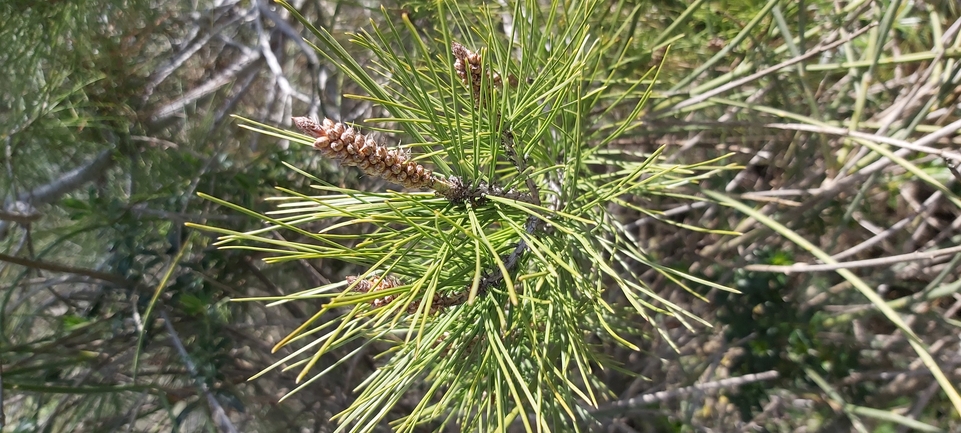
<point x="345" y="145"/>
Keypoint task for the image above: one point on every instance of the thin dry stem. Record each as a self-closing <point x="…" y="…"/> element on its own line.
<point x="830" y="267"/>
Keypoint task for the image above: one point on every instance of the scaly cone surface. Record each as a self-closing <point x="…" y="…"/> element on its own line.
<point x="345" y="145"/>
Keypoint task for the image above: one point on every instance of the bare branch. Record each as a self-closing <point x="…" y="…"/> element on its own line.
<point x="19" y="212"/>
<point x="645" y="399"/>
<point x="69" y="181"/>
<point x="286" y="29"/>
<point x="54" y="267"/>
<point x="177" y="60"/>
<point x="220" y="416"/>
<point x="767" y="71"/>
<point x="250" y="59"/>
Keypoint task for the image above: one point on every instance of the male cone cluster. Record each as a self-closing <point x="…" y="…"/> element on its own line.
<point x="469" y="68"/>
<point x="375" y="284"/>
<point x="378" y="283"/>
<point x="345" y="145"/>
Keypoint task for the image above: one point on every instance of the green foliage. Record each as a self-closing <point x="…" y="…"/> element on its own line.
<point x="777" y="334"/>
<point x="74" y="76"/>
<point x="499" y="299"/>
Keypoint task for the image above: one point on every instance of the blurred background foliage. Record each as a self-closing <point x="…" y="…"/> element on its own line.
<point x="114" y="113"/>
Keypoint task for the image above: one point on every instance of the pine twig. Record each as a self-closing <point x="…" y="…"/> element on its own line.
<point x="645" y="399"/>
<point x="470" y="69"/>
<point x="380" y="283"/>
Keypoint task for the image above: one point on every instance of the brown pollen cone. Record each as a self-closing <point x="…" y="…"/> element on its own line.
<point x="347" y="146"/>
<point x="376" y="284"/>
<point x="468" y="66"/>
<point x="470" y="69"/>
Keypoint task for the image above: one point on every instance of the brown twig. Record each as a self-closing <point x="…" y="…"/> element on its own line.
<point x="54" y="267"/>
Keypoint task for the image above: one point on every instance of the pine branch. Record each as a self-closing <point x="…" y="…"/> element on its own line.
<point x="476" y="235"/>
